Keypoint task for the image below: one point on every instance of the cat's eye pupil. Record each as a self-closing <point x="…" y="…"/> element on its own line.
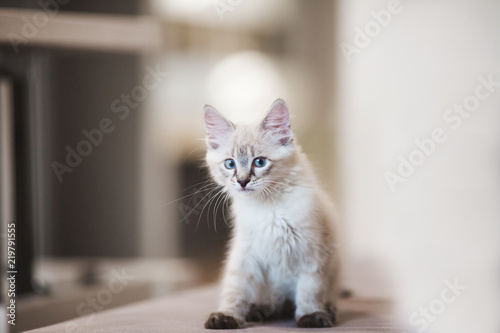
<point x="230" y="164"/>
<point x="260" y="162"/>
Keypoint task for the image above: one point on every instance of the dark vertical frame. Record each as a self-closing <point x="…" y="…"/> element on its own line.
<point x="6" y="183"/>
<point x="18" y="68"/>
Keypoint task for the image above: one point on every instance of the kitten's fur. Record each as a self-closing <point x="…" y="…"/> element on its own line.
<point x="283" y="246"/>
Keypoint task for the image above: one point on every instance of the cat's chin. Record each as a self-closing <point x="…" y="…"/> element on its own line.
<point x="244" y="191"/>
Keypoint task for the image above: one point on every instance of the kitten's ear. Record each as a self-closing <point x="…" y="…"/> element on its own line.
<point x="277" y="122"/>
<point x="218" y="128"/>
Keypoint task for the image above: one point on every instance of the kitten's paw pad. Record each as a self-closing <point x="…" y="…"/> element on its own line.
<point x="315" y="320"/>
<point x="220" y="321"/>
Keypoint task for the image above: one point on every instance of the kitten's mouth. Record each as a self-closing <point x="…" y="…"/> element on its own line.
<point x="245" y="190"/>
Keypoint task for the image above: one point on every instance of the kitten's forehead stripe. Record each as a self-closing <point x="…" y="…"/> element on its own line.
<point x="243" y="156"/>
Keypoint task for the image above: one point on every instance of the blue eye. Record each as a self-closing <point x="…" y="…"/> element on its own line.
<point x="230" y="164"/>
<point x="260" y="162"/>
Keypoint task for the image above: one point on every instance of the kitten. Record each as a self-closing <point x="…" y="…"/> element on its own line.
<point x="283" y="247"/>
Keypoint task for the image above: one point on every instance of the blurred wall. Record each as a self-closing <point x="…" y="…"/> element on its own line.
<point x="95" y="209"/>
<point x="411" y="227"/>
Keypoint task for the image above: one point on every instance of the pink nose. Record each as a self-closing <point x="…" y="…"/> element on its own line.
<point x="244" y="182"/>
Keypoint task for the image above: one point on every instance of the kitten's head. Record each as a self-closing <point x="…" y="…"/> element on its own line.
<point x="251" y="159"/>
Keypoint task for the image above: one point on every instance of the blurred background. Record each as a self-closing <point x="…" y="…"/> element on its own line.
<point x="101" y="143"/>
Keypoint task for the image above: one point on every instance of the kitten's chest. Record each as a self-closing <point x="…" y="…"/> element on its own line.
<point x="275" y="236"/>
<point x="281" y="243"/>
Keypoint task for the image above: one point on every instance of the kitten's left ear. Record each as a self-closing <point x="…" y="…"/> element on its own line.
<point x="277" y="122"/>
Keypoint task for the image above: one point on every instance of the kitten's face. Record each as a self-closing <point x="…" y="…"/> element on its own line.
<point x="250" y="159"/>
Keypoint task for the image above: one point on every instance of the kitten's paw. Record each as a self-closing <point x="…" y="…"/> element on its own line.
<point x="220" y="321"/>
<point x="332" y="311"/>
<point x="259" y="314"/>
<point x="254" y="315"/>
<point x="315" y="320"/>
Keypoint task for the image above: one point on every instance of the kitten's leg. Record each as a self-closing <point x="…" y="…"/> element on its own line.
<point x="310" y="300"/>
<point x="239" y="290"/>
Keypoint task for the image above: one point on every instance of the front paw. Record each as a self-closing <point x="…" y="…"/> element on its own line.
<point x="220" y="321"/>
<point x="315" y="320"/>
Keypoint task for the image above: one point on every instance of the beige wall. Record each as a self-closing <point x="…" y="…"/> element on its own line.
<point x="442" y="222"/>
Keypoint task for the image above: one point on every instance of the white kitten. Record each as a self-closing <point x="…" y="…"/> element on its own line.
<point x="283" y="248"/>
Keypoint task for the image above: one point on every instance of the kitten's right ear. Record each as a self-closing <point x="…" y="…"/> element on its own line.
<point x="218" y="128"/>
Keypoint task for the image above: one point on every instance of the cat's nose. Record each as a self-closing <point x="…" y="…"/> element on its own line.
<point x="244" y="182"/>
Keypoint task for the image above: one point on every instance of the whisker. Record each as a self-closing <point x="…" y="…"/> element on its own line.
<point x="205" y="181"/>
<point x="203" y="189"/>
<point x="212" y="190"/>
<point x="225" y="207"/>
<point x="184" y="197"/>
<point x="221" y="196"/>
<point x="224" y="203"/>
<point x="201" y="213"/>
<point x="196" y="149"/>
